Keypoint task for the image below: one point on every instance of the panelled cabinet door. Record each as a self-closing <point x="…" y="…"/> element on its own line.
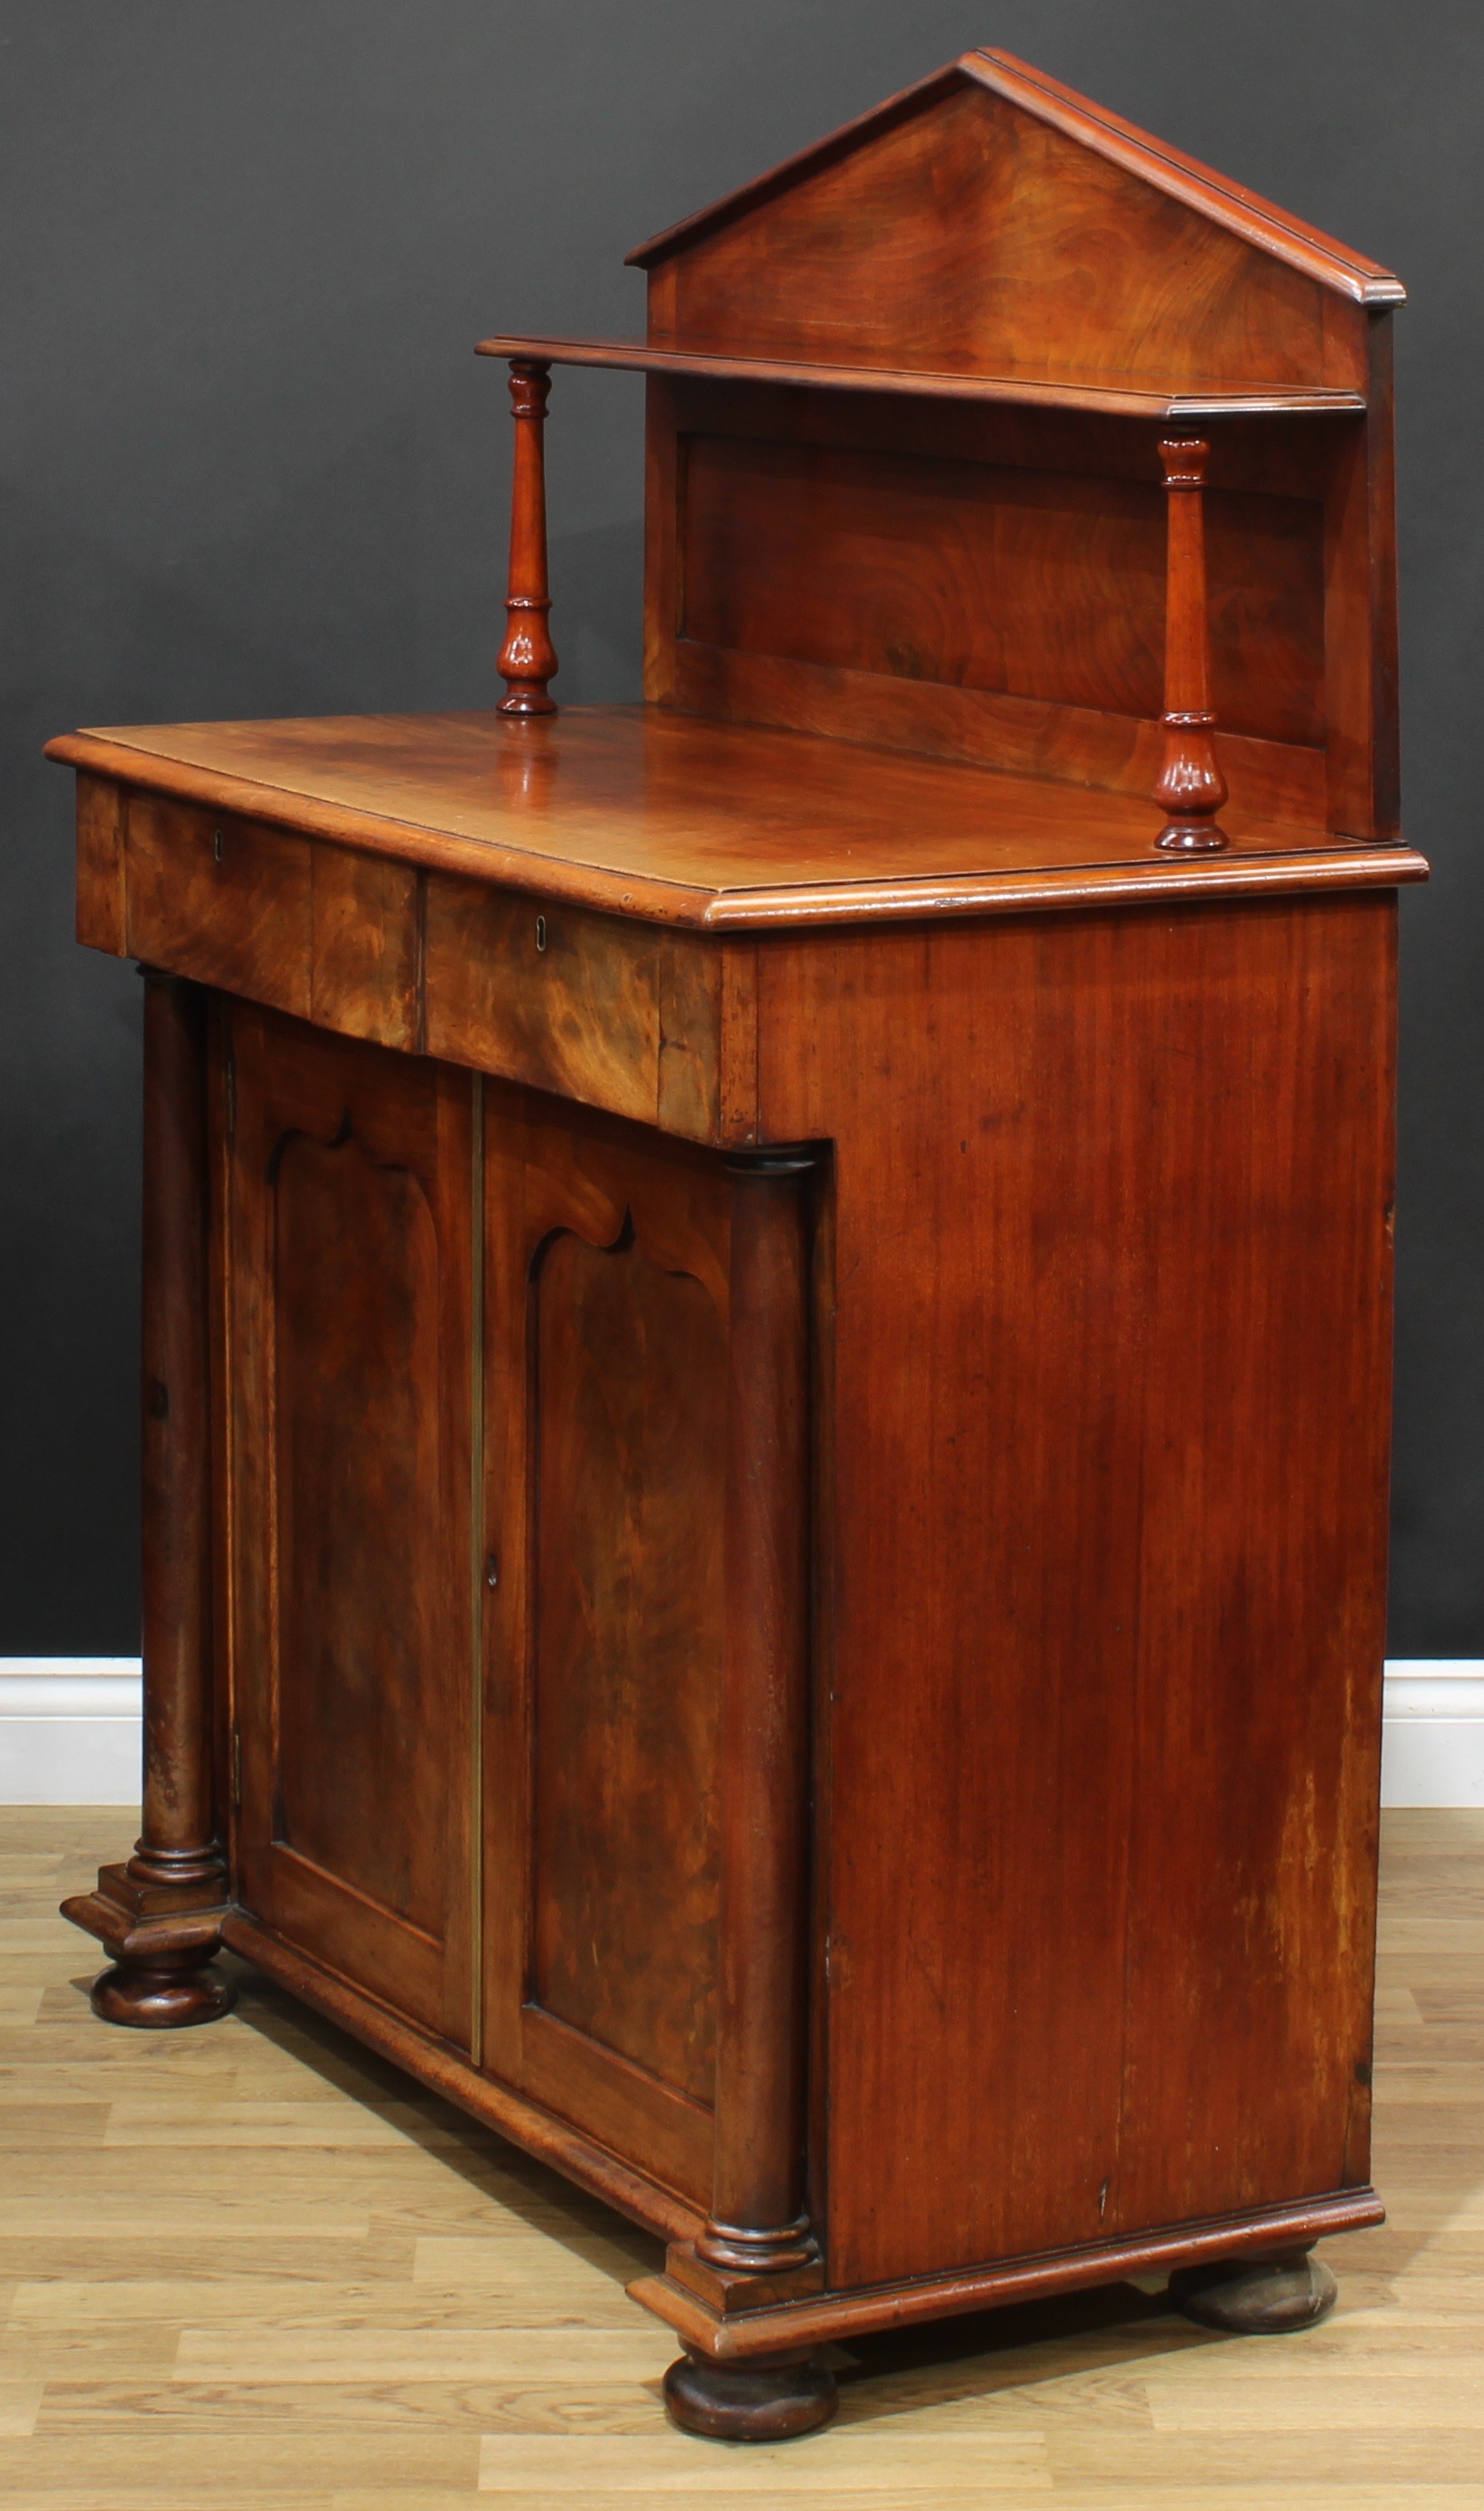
<point x="349" y="1436"/>
<point x="605" y="1422"/>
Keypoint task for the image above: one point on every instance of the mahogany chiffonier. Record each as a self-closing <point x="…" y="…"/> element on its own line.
<point x="767" y="1314"/>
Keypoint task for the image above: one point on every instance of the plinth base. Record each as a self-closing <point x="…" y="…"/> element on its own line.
<point x="768" y="2401"/>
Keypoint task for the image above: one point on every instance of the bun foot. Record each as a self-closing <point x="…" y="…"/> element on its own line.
<point x="162" y="1994"/>
<point x="1255" y="2297"/>
<point x="767" y="2401"/>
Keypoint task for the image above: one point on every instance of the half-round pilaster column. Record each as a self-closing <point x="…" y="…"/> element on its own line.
<point x="159" y="1913"/>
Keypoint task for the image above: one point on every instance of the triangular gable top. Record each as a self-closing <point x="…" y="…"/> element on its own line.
<point x="1243" y="213"/>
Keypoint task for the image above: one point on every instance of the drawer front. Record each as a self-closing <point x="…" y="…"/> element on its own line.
<point x="602" y="1009"/>
<point x="219" y="899"/>
<point x="314" y="929"/>
<point x="619" y="1015"/>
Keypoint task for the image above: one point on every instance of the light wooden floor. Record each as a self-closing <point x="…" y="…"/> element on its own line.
<point x="250" y="2265"/>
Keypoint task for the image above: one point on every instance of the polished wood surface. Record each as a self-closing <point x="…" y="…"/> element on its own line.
<point x="1131" y="1346"/>
<point x="899" y="576"/>
<point x="349" y="1235"/>
<point x="654" y="358"/>
<point x="604" y="1446"/>
<point x="159" y="1914"/>
<point x="1233" y="207"/>
<point x="1192" y="787"/>
<point x="978" y="575"/>
<point x="798" y="1304"/>
<point x="990" y="222"/>
<point x="616" y="1013"/>
<point x="963" y="226"/>
<point x="256" y="2262"/>
<point x="528" y="658"/>
<point x="759" y="2222"/>
<point x="717" y="826"/>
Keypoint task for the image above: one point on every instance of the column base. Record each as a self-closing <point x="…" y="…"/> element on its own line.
<point x="160" y="1939"/>
<point x="1255" y="2297"/>
<point x="1191" y="837"/>
<point x="772" y="2400"/>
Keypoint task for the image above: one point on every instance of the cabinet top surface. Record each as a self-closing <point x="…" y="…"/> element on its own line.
<point x="683" y="820"/>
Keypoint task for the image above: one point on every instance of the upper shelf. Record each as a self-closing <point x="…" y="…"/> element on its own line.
<point x="1119" y="401"/>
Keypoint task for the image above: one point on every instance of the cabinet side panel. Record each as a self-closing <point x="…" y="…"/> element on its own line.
<point x="1266" y="1420"/>
<point x="1109" y="1511"/>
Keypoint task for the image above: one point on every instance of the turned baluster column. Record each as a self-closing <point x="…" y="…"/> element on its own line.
<point x="157" y="1914"/>
<point x="1192" y="787"/>
<point x="178" y="1843"/>
<point x="528" y="657"/>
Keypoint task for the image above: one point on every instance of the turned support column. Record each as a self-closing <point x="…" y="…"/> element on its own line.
<point x="157" y="1914"/>
<point x="1192" y="787"/>
<point x="528" y="657"/>
<point x="757" y="2242"/>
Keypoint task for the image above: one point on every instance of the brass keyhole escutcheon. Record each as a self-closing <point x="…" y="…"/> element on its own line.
<point x="541" y="932"/>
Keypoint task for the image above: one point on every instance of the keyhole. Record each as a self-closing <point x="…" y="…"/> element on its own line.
<point x="491" y="1571"/>
<point x="217" y="845"/>
<point x="541" y="932"/>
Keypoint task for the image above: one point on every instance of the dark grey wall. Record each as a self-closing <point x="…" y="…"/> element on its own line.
<point x="249" y="467"/>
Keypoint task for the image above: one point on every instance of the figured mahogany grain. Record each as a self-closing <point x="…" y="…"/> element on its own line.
<point x="349" y="1369"/>
<point x="101" y="916"/>
<point x="664" y="816"/>
<point x="216" y="898"/>
<point x="629" y="1420"/>
<point x="854" y="1703"/>
<point x="974" y="236"/>
<point x="1232" y="205"/>
<point x="544" y="994"/>
<point x="1002" y="592"/>
<point x="988" y="577"/>
<point x="365" y="946"/>
<point x="605" y="1374"/>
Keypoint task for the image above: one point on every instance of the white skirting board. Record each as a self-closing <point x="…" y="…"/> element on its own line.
<point x="70" y="1730"/>
<point x="1433" y="1748"/>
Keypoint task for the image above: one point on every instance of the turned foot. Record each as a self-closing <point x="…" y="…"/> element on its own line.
<point x="1255" y="2297"/>
<point x="164" y="1993"/>
<point x="769" y="2401"/>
